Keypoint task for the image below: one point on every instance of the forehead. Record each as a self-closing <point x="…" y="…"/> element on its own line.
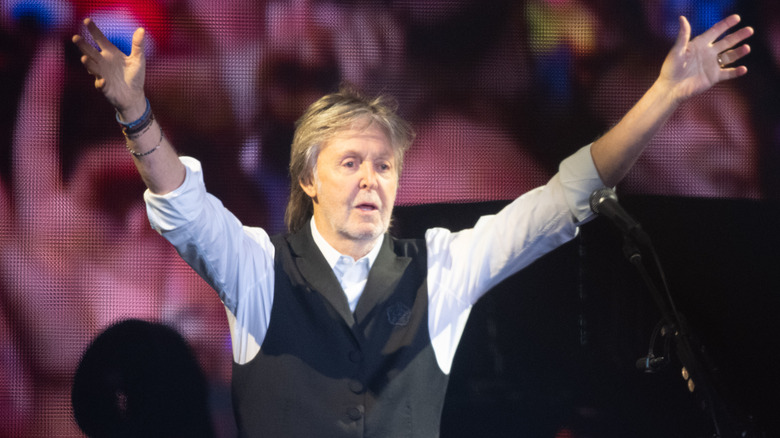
<point x="371" y="140"/>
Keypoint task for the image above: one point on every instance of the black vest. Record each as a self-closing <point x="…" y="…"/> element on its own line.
<point x="324" y="372"/>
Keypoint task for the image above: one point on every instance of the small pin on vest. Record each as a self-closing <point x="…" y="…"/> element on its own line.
<point x="399" y="314"/>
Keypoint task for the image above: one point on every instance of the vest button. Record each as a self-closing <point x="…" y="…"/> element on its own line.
<point x="355" y="413"/>
<point x="355" y="386"/>
<point x="355" y="356"/>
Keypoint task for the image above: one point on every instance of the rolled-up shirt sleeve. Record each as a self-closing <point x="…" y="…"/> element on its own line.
<point x="579" y="178"/>
<point x="179" y="207"/>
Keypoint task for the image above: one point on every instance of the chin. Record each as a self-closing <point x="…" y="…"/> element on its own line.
<point x="367" y="232"/>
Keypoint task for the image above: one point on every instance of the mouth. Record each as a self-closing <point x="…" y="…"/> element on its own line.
<point x="367" y="207"/>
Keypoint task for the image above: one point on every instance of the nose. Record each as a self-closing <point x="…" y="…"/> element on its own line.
<point x="367" y="175"/>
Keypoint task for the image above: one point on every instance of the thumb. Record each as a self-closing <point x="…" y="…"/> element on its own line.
<point x="138" y="42"/>
<point x="683" y="35"/>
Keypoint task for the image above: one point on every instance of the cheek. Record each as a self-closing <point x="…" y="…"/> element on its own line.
<point x="391" y="189"/>
<point x="389" y="185"/>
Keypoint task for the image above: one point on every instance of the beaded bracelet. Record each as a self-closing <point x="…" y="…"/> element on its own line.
<point x="143" y="154"/>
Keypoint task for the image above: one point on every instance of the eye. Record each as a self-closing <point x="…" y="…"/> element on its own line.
<point x="349" y="164"/>
<point x="384" y="167"/>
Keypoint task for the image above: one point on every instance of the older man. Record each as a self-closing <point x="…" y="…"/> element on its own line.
<point x="339" y="329"/>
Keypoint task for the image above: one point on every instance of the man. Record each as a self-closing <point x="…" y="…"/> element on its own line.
<point x="339" y="329"/>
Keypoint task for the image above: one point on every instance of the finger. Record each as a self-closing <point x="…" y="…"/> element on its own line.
<point x="91" y="65"/>
<point x="683" y="35"/>
<point x="85" y="47"/>
<point x="98" y="35"/>
<point x="731" y="73"/>
<point x="720" y="28"/>
<point x="733" y="39"/>
<point x="734" y="55"/>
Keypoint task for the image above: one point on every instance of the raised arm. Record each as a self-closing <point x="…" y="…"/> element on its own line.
<point x="691" y="67"/>
<point x="121" y="79"/>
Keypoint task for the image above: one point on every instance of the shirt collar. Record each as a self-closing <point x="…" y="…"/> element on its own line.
<point x="332" y="256"/>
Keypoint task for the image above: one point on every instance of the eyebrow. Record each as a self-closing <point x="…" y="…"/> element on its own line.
<point x="354" y="152"/>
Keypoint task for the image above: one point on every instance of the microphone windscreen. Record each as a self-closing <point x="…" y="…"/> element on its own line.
<point x="599" y="196"/>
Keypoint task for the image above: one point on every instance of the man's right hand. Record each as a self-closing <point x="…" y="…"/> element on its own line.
<point x="119" y="77"/>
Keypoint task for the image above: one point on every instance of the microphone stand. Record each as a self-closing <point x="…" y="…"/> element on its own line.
<point x="692" y="354"/>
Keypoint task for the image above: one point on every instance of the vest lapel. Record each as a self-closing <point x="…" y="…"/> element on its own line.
<point x="386" y="272"/>
<point x="318" y="274"/>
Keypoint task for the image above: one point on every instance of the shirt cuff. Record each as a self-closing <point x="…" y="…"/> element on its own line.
<point x="579" y="179"/>
<point x="179" y="207"/>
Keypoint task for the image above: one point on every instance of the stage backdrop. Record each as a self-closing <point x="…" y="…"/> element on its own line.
<point x="498" y="93"/>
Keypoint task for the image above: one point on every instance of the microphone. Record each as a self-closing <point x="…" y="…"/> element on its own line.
<point x="650" y="363"/>
<point x="604" y="202"/>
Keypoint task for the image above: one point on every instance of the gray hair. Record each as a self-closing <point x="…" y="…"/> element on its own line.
<point x="329" y="116"/>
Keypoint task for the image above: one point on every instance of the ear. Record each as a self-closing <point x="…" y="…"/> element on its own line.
<point x="309" y="187"/>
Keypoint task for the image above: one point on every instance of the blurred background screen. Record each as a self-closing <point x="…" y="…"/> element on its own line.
<point x="498" y="93"/>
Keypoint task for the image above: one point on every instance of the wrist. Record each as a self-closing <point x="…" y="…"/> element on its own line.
<point x="132" y="112"/>
<point x="134" y="124"/>
<point x="666" y="93"/>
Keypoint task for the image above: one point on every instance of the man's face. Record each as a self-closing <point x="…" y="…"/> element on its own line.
<point x="354" y="187"/>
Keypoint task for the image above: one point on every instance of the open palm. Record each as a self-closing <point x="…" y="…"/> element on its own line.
<point x="694" y="66"/>
<point x="119" y="77"/>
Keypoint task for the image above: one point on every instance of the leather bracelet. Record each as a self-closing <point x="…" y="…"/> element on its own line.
<point x="140" y="120"/>
<point x="140" y="128"/>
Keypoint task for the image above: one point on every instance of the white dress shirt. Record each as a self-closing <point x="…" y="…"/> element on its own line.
<point x="352" y="274"/>
<point x="238" y="261"/>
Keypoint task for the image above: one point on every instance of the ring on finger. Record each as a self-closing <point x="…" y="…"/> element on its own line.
<point x="720" y="62"/>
